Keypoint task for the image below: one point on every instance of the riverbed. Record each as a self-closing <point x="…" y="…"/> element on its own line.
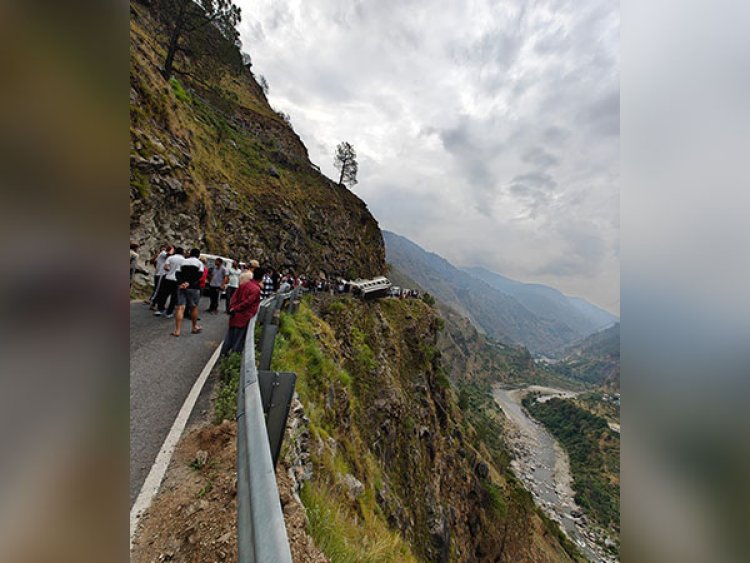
<point x="542" y="465"/>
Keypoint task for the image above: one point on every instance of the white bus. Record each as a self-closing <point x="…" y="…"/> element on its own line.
<point x="371" y="289"/>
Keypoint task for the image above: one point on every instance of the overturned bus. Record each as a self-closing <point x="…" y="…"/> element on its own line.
<point x="371" y="289"/>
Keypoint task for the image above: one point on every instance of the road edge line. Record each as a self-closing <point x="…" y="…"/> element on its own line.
<point x="159" y="468"/>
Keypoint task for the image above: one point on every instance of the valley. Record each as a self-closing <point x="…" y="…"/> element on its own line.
<point x="544" y="467"/>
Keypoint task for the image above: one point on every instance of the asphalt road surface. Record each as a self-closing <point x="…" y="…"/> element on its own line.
<point x="162" y="371"/>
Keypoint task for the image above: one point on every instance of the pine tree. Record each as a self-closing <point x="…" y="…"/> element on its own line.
<point x="346" y="161"/>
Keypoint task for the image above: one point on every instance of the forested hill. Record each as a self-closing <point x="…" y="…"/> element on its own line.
<point x="594" y="360"/>
<point x="212" y="164"/>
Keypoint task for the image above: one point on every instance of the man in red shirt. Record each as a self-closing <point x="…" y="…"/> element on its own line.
<point x="242" y="308"/>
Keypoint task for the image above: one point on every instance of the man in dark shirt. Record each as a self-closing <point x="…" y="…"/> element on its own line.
<point x="189" y="291"/>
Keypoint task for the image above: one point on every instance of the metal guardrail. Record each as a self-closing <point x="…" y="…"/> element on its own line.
<point x="261" y="532"/>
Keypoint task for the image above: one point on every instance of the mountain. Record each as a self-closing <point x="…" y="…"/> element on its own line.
<point x="213" y="165"/>
<point x="498" y="314"/>
<point x="599" y="316"/>
<point x="596" y="359"/>
<point x="549" y="303"/>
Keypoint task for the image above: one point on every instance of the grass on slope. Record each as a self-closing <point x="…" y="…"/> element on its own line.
<point x="345" y="530"/>
<point x="202" y="114"/>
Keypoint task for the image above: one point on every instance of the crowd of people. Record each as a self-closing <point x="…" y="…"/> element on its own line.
<point x="182" y="277"/>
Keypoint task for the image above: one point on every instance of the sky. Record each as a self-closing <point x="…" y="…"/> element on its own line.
<point x="487" y="132"/>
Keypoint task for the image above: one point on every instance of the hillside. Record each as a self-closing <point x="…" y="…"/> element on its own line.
<point x="384" y="414"/>
<point x="213" y="165"/>
<point x="496" y="313"/>
<point x="549" y="303"/>
<point x="595" y="360"/>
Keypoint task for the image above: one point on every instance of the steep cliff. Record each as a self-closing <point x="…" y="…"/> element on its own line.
<point x="400" y="468"/>
<point x="213" y="165"/>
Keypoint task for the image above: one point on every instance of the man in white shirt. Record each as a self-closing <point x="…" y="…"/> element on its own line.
<point x="164" y="252"/>
<point x="169" y="283"/>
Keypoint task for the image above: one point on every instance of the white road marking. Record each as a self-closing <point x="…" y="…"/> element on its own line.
<point x="159" y="468"/>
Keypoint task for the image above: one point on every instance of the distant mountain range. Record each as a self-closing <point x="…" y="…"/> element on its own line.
<point x="533" y="315"/>
<point x="547" y="302"/>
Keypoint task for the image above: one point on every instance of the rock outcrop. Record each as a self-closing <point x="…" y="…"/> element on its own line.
<point x="213" y="165"/>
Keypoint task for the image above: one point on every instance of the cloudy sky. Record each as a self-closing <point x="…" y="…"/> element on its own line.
<point x="487" y="132"/>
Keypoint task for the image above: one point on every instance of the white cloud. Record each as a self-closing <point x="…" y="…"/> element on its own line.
<point x="487" y="132"/>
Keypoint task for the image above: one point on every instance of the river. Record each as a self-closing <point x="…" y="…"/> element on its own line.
<point x="542" y="465"/>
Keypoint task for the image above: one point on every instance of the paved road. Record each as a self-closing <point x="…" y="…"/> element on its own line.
<point x="162" y="371"/>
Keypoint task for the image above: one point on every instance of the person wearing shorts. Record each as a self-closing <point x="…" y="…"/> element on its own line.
<point x="189" y="291"/>
<point x="188" y="298"/>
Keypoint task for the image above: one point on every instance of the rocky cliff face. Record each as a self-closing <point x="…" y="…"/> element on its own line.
<point x="213" y="165"/>
<point x="391" y="449"/>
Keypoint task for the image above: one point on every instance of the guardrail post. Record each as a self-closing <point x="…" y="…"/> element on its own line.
<point x="294" y="301"/>
<point x="276" y="392"/>
<point x="267" y="343"/>
<point x="265" y="307"/>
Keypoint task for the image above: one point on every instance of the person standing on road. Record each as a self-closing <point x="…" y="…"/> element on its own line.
<point x="189" y="291"/>
<point x="159" y="260"/>
<point x="217" y="281"/>
<point x="242" y="308"/>
<point x="204" y="276"/>
<point x="233" y="281"/>
<point x="169" y="284"/>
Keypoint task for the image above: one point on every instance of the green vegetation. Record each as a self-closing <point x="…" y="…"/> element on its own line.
<point x="429" y="299"/>
<point x="345" y="530"/>
<point x="496" y="498"/>
<point x="179" y="91"/>
<point x="484" y="416"/>
<point x="594" y="452"/>
<point x="595" y="403"/>
<point x="225" y="404"/>
<point x="594" y="361"/>
<point x="140" y="182"/>
<point x="592" y="371"/>
<point x="337" y="533"/>
<point x="364" y="359"/>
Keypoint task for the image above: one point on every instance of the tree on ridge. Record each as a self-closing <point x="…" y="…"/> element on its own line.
<point x="346" y="161"/>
